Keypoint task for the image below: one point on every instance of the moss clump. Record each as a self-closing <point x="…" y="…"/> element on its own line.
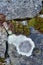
<point x="2" y="60"/>
<point x="37" y="23"/>
<point x="19" y="28"/>
<point x="31" y="22"/>
<point x="26" y="30"/>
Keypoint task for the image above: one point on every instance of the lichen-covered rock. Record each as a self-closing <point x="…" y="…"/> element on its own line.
<point x="23" y="44"/>
<point x="16" y="9"/>
<point x="35" y="58"/>
<point x="26" y="46"/>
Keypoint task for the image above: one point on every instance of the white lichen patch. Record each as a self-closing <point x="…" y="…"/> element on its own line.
<point x="41" y="15"/>
<point x="23" y="44"/>
<point x="11" y="39"/>
<point x="24" y="22"/>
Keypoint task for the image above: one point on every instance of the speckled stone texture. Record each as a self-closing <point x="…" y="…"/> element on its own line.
<point x="3" y="38"/>
<point x="16" y="9"/>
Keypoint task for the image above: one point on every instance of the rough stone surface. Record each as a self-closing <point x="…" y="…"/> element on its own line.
<point x="16" y="9"/>
<point x="36" y="58"/>
<point x="3" y="38"/>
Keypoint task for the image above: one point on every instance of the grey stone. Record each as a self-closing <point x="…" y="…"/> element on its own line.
<point x="19" y="60"/>
<point x="7" y="61"/>
<point x="3" y="38"/>
<point x="17" y="9"/>
<point x="32" y="60"/>
<point x="14" y="56"/>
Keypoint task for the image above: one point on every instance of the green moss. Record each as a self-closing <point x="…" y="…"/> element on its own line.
<point x="2" y="60"/>
<point x="37" y="23"/>
<point x="21" y="29"/>
<point x="26" y="30"/>
<point x="31" y="22"/>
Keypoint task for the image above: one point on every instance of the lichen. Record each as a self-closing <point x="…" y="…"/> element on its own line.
<point x="23" y="44"/>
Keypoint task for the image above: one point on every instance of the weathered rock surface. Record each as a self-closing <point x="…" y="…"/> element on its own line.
<point x="35" y="59"/>
<point x="16" y="9"/>
<point x="3" y="38"/>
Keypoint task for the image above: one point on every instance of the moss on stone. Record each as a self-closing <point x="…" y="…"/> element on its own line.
<point x="20" y="28"/>
<point x="31" y="22"/>
<point x="2" y="60"/>
<point x="37" y="23"/>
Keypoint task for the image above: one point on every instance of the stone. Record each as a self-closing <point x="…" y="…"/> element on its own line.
<point x="3" y="38"/>
<point x="18" y="9"/>
<point x="7" y="61"/>
<point x="32" y="60"/>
